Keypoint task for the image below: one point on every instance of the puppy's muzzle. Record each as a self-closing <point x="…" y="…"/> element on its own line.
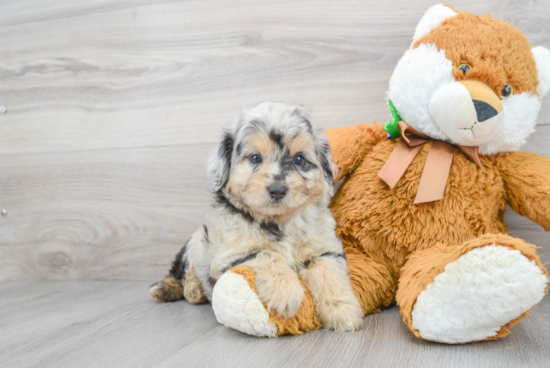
<point x="277" y="191"/>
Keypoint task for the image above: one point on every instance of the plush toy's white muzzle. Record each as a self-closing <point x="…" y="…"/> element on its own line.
<point x="468" y="112"/>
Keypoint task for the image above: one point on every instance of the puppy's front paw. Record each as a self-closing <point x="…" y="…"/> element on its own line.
<point x="342" y="316"/>
<point x="284" y="294"/>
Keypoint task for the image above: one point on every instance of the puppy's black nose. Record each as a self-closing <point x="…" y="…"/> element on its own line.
<point x="484" y="111"/>
<point x="277" y="191"/>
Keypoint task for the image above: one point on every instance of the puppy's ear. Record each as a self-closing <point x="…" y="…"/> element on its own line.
<point x="219" y="163"/>
<point x="329" y="167"/>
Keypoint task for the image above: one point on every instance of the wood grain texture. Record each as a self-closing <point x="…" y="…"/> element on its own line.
<point x="116" y="324"/>
<point x="113" y="106"/>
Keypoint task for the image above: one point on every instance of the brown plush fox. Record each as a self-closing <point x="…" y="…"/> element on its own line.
<point x="421" y="208"/>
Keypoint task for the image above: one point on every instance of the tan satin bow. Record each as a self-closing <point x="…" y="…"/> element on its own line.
<point x="437" y="166"/>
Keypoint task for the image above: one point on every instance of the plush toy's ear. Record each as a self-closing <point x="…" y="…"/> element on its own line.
<point x="542" y="59"/>
<point x="433" y="18"/>
<point x="219" y="163"/>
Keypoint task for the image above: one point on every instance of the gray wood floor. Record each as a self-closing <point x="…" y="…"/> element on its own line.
<point x="116" y="324"/>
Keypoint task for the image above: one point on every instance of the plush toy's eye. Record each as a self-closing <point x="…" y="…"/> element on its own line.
<point x="299" y="160"/>
<point x="464" y="68"/>
<point x="255" y="159"/>
<point x="507" y="90"/>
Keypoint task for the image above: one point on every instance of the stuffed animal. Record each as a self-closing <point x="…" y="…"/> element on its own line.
<point x="420" y="210"/>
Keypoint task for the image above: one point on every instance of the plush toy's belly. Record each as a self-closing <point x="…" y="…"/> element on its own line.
<point x="386" y="224"/>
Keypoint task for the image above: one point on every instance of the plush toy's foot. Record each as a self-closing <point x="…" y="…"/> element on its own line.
<point x="471" y="292"/>
<point x="236" y="305"/>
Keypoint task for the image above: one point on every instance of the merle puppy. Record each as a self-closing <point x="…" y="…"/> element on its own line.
<point x="273" y="182"/>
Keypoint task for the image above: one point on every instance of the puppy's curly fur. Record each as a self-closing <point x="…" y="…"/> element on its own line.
<point x="273" y="181"/>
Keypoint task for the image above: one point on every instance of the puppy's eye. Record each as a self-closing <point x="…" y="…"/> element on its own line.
<point x="299" y="160"/>
<point x="255" y="159"/>
<point x="507" y="90"/>
<point x="464" y="68"/>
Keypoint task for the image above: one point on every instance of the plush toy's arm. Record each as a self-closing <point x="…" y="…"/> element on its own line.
<point x="527" y="183"/>
<point x="349" y="145"/>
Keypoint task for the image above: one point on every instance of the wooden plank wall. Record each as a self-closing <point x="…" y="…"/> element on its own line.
<point x="113" y="106"/>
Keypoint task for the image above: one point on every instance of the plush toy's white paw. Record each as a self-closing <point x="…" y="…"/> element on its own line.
<point x="237" y="306"/>
<point x="477" y="294"/>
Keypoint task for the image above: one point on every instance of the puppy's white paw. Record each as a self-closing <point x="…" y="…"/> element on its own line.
<point x="281" y="293"/>
<point x="341" y="316"/>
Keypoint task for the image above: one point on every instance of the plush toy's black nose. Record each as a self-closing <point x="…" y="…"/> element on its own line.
<point x="484" y="111"/>
<point x="277" y="191"/>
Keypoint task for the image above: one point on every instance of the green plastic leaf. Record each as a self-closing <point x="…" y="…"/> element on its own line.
<point x="391" y="126"/>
